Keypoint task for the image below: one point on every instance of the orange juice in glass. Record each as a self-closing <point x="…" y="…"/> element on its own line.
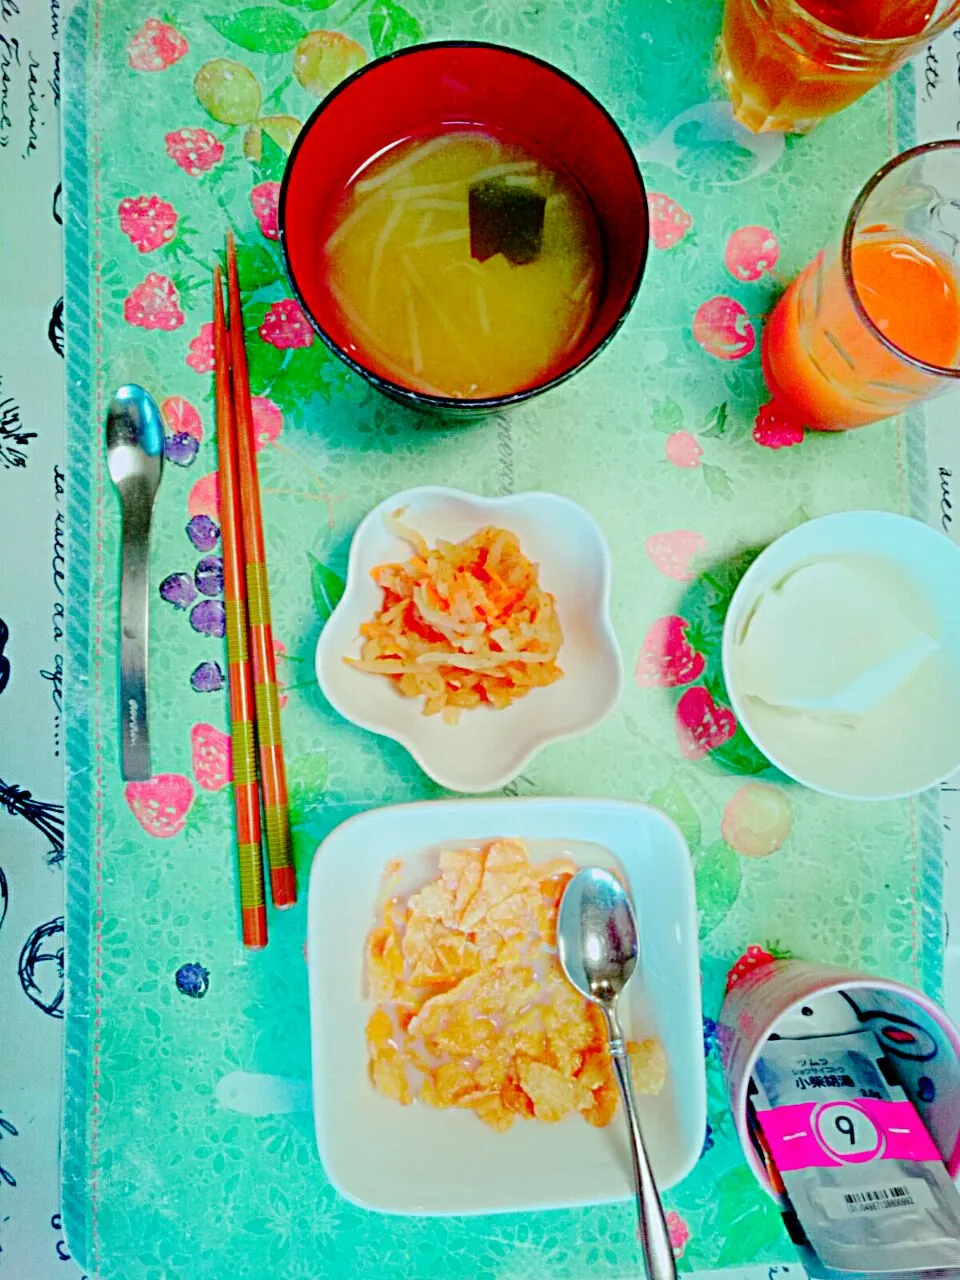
<point x="789" y="63"/>
<point x="873" y="325"/>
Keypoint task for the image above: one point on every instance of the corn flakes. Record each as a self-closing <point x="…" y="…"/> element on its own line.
<point x="473" y="1010"/>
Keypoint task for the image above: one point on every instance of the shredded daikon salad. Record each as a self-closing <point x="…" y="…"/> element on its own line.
<point x="462" y="624"/>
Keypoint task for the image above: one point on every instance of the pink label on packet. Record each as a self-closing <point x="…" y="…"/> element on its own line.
<point x="821" y="1135"/>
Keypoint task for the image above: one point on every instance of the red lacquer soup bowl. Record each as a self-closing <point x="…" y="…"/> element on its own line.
<point x="427" y="90"/>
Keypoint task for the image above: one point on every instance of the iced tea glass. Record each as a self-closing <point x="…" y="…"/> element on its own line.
<point x="786" y="68"/>
<point x="872" y="325"/>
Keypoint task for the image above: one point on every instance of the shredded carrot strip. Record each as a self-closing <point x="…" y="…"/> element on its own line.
<point x="462" y="624"/>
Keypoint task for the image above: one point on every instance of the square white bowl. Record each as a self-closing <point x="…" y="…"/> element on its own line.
<point x="423" y="1161"/>
<point x="487" y="748"/>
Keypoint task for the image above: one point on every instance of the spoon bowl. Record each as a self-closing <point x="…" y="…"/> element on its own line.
<point x="597" y="935"/>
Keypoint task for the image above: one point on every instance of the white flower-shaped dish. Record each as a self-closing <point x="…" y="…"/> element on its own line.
<point x="487" y="748"/>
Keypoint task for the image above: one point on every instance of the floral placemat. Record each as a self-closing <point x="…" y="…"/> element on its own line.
<point x="188" y="1138"/>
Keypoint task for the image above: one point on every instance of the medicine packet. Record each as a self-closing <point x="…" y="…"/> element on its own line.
<point x="860" y="1171"/>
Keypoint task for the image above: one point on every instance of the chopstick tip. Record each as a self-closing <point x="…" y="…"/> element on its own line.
<point x="283" y="885"/>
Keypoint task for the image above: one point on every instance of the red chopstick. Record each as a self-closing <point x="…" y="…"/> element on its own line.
<point x="273" y="777"/>
<point x="246" y="793"/>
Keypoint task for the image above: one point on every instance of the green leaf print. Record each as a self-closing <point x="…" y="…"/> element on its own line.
<point x="716" y="422"/>
<point x="748" y="1221"/>
<point x="392" y="27"/>
<point x="306" y="780"/>
<point x="263" y="360"/>
<point x="264" y="363"/>
<point x="273" y="160"/>
<point x="676" y="804"/>
<point x="717" y="877"/>
<point x="303" y="376"/>
<point x="309" y="4"/>
<point x="262" y="29"/>
<point x="740" y="755"/>
<point x="667" y="416"/>
<point x="718" y="481"/>
<point x="327" y="588"/>
<point x="256" y="266"/>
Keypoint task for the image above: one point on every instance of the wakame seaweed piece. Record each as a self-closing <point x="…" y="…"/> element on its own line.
<point x="506" y="218"/>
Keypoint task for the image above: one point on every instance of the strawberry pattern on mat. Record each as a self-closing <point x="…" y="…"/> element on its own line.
<point x="212" y="757"/>
<point x="668" y="222"/>
<point x="675" y="553"/>
<point x="668" y="658"/>
<point x="664" y="440"/>
<point x="702" y="724"/>
<point x="156" y="46"/>
<point x="154" y="304"/>
<point x="161" y="804"/>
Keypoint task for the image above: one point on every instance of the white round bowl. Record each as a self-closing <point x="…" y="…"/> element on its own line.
<point x="932" y="563"/>
<point x="486" y="749"/>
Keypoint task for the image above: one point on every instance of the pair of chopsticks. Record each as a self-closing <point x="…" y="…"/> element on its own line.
<point x="254" y="700"/>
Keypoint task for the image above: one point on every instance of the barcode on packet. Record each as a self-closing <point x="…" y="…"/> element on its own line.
<point x="912" y="1193"/>
<point x="882" y="1198"/>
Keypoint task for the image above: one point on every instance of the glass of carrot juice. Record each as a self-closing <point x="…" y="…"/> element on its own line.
<point x="872" y="325"/>
<point x="788" y="63"/>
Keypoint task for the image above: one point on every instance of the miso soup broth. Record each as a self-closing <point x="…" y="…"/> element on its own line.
<point x="463" y="265"/>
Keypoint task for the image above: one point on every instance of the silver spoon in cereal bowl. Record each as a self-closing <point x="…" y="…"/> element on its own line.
<point x="598" y="948"/>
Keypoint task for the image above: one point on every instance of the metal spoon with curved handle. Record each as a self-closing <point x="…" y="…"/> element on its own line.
<point x="598" y="948"/>
<point x="135" y="444"/>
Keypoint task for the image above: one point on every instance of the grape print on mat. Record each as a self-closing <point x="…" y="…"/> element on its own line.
<point x="208" y="576"/>
<point x="200" y="591"/>
<point x="203" y="532"/>
<point x="179" y="590"/>
<point x="192" y="980"/>
<point x="207" y="677"/>
<point x="209" y="618"/>
<point x="181" y="449"/>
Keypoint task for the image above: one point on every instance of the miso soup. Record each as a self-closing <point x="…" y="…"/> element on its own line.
<point x="463" y="265"/>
